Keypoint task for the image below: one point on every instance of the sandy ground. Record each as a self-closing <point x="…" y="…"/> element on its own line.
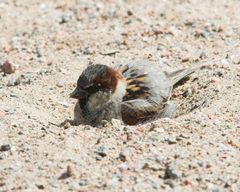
<point x="51" y="42"/>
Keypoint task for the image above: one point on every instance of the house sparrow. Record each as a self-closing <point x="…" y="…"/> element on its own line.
<point x="135" y="93"/>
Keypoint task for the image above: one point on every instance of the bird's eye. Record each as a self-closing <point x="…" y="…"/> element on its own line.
<point x="87" y="86"/>
<point x="93" y="88"/>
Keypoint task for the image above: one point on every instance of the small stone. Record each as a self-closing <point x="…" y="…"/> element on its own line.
<point x="203" y="55"/>
<point x="156" y="137"/>
<point x="62" y="70"/>
<point x="124" y="155"/>
<point x="184" y="136"/>
<point x="218" y="88"/>
<point x="27" y="78"/>
<point x="117" y="124"/>
<point x="217" y="122"/>
<point x="1" y="62"/>
<point x="67" y="125"/>
<point x="187" y="93"/>
<point x="65" y="18"/>
<point x="13" y="81"/>
<point x="102" y="151"/>
<point x="185" y="59"/>
<point x="160" y="159"/>
<point x="200" y="163"/>
<point x="219" y="74"/>
<point x="68" y="173"/>
<point x="200" y="33"/>
<point x="8" y="68"/>
<point x="225" y="62"/>
<point x="139" y="165"/>
<point x="98" y="157"/>
<point x="174" y="31"/>
<point x="43" y="72"/>
<point x="60" y="84"/>
<point x="199" y="179"/>
<point x="223" y="147"/>
<point x="122" y="167"/>
<point x="110" y="52"/>
<point x="172" y="172"/>
<point x="169" y="183"/>
<point x="2" y="184"/>
<point x="227" y="185"/>
<point x="179" y="138"/>
<point x="215" y="80"/>
<point x="160" y="47"/>
<point x="40" y="186"/>
<point x="64" y="104"/>
<point x="5" y="147"/>
<point x="83" y="182"/>
<point x="130" y="13"/>
<point x="87" y="127"/>
<point x="87" y="51"/>
<point x="171" y="140"/>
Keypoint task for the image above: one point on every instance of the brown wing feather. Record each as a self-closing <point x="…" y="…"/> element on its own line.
<point x="136" y="85"/>
<point x="136" y="88"/>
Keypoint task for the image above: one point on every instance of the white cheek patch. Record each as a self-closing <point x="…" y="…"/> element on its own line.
<point x="93" y="102"/>
<point x="97" y="100"/>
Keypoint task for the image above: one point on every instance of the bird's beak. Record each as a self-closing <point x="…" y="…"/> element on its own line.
<point x="78" y="94"/>
<point x="75" y="94"/>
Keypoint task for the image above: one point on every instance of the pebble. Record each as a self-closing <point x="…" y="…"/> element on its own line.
<point x="217" y="122"/>
<point x="187" y="93"/>
<point x="83" y="182"/>
<point x="160" y="47"/>
<point x="160" y="159"/>
<point x="203" y="55"/>
<point x="200" y="163"/>
<point x="184" y="136"/>
<point x="67" y="125"/>
<point x="223" y="147"/>
<point x="27" y="78"/>
<point x="5" y="147"/>
<point x="87" y="51"/>
<point x="1" y="62"/>
<point x="60" y="84"/>
<point x="13" y="81"/>
<point x="139" y="165"/>
<point x="170" y="185"/>
<point x="122" y="167"/>
<point x="225" y="62"/>
<point x="8" y="67"/>
<point x="101" y="151"/>
<point x="65" y="18"/>
<point x="171" y="140"/>
<point x="68" y="173"/>
<point x="40" y="186"/>
<point x="44" y="72"/>
<point x="117" y="124"/>
<point x="156" y="137"/>
<point x="215" y="80"/>
<point x="171" y="172"/>
<point x="124" y="155"/>
<point x="87" y="127"/>
<point x="64" y="104"/>
<point x="185" y="59"/>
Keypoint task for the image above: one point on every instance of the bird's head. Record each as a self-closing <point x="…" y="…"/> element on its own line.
<point x="99" y="78"/>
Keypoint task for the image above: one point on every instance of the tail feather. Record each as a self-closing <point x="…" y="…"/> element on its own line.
<point x="180" y="74"/>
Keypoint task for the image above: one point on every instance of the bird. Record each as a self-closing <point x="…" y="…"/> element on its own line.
<point x="134" y="92"/>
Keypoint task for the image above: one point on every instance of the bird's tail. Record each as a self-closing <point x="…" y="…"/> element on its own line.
<point x="180" y="74"/>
